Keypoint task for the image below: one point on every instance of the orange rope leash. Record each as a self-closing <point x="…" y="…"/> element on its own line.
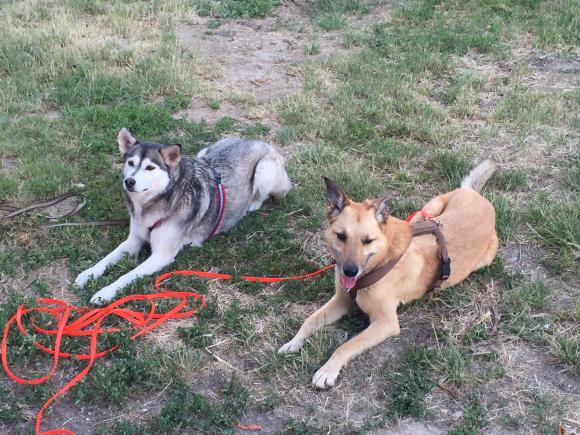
<point x="89" y="324"/>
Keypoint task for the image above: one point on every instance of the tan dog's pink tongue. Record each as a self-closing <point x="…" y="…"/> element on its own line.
<point x="347" y="282"/>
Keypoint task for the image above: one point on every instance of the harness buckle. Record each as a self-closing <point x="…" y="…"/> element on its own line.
<point x="445" y="268"/>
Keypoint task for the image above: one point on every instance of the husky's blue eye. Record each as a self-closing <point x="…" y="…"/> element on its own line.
<point x="150" y="168"/>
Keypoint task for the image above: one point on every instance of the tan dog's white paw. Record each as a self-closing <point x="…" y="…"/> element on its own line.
<point x="292" y="346"/>
<point x="325" y="377"/>
<point x="106" y="294"/>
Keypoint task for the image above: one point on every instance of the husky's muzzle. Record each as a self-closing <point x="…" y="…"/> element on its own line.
<point x="130" y="184"/>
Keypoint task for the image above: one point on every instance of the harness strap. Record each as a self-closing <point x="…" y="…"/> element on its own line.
<point x="220" y="199"/>
<point x="419" y="228"/>
<point x="434" y="227"/>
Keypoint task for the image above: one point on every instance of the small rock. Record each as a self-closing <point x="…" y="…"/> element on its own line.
<point x="457" y="414"/>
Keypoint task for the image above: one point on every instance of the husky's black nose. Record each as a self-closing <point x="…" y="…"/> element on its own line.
<point x="350" y="270"/>
<point x="130" y="183"/>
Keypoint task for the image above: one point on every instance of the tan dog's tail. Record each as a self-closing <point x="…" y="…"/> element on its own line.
<point x="479" y="175"/>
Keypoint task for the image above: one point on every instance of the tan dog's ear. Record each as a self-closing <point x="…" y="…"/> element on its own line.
<point x="171" y="155"/>
<point x="399" y="234"/>
<point x="336" y="198"/>
<point x="125" y="140"/>
<point x="382" y="209"/>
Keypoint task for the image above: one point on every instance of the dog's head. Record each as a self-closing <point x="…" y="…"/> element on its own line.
<point x="148" y="166"/>
<point x="361" y="235"/>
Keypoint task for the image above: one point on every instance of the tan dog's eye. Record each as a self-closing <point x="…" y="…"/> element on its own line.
<point x="150" y="168"/>
<point x="130" y="163"/>
<point x="341" y="237"/>
<point x="368" y="241"/>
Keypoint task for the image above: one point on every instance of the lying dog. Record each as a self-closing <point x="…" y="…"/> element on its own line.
<point x="174" y="201"/>
<point x="362" y="237"/>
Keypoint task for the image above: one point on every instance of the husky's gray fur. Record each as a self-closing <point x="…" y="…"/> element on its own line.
<point x="176" y="196"/>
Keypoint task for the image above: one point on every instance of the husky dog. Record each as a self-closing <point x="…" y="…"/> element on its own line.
<point x="174" y="201"/>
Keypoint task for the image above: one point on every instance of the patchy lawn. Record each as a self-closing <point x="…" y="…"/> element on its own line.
<point x="400" y="97"/>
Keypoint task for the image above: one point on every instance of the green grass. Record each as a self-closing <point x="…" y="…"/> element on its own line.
<point x="474" y="418"/>
<point x="546" y="412"/>
<point x="409" y="384"/>
<point x="214" y="104"/>
<point x="236" y="8"/>
<point x="527" y="306"/>
<point x="509" y="180"/>
<point x="311" y="49"/>
<point x="558" y="24"/>
<point x="572" y="174"/>
<point x="451" y="168"/>
<point x="113" y="382"/>
<point x="527" y="109"/>
<point x="456" y="364"/>
<point x="567" y="349"/>
<point x="184" y="409"/>
<point x="531" y="297"/>
<point x="329" y="14"/>
<point x="200" y="335"/>
<point x="554" y="226"/>
<point x="10" y="411"/>
<point x="508" y="217"/>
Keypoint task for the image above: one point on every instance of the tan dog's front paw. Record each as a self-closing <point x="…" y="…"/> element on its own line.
<point x="292" y="346"/>
<point x="326" y="376"/>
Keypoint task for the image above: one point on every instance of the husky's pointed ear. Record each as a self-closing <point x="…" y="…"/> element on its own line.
<point x="336" y="198"/>
<point x="125" y="140"/>
<point x="171" y="155"/>
<point x="382" y="209"/>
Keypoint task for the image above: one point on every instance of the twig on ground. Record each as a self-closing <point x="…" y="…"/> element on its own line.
<point x="222" y="360"/>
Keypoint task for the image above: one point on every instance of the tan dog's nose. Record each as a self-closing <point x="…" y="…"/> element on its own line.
<point x="350" y="270"/>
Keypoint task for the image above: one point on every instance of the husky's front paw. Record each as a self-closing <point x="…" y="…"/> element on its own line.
<point x="83" y="278"/>
<point x="104" y="295"/>
<point x="292" y="346"/>
<point x="326" y="376"/>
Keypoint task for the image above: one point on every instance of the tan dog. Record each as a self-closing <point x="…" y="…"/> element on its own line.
<point x="362" y="236"/>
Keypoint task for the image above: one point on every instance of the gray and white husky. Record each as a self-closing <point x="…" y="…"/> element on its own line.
<point x="175" y="201"/>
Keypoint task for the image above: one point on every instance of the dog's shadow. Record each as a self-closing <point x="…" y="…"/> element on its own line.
<point x="354" y="322"/>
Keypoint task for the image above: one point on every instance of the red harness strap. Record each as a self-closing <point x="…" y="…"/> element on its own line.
<point x="220" y="199"/>
<point x="425" y="214"/>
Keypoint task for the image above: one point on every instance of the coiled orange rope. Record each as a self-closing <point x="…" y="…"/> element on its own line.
<point x="89" y="324"/>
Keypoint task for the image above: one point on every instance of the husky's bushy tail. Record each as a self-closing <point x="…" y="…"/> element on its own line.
<point x="479" y="175"/>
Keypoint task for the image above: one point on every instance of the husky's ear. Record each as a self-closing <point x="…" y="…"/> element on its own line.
<point x="125" y="140"/>
<point x="171" y="155"/>
<point x="336" y="198"/>
<point x="382" y="209"/>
